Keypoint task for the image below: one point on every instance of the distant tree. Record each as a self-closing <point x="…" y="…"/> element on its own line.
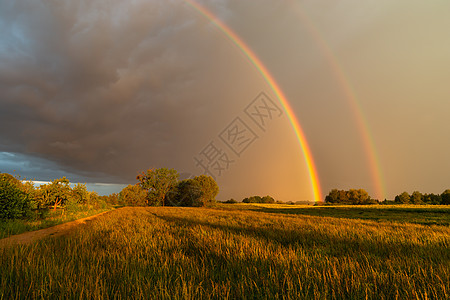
<point x="259" y="199"/>
<point x="432" y="199"/>
<point x="416" y="198"/>
<point x="445" y="197"/>
<point x="58" y="192"/>
<point x="208" y="187"/>
<point x="80" y="193"/>
<point x="343" y="197"/>
<point x="332" y="197"/>
<point x="157" y="183"/>
<point x="112" y="199"/>
<point x="403" y="198"/>
<point x="352" y="196"/>
<point x="187" y="192"/>
<point x="267" y="199"/>
<point x="231" y="201"/>
<point x="14" y="201"/>
<point x="133" y="195"/>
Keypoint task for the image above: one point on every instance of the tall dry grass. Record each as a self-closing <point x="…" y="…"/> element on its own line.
<point x="192" y="253"/>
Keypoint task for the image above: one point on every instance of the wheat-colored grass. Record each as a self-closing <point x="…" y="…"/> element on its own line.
<point x="200" y="253"/>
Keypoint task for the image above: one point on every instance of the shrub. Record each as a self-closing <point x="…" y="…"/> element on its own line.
<point x="231" y="201"/>
<point x="14" y="202"/>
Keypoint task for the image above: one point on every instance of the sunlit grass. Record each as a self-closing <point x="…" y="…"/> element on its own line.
<point x="418" y="214"/>
<point x="192" y="253"/>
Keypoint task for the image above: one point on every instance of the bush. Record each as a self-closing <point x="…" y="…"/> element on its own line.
<point x="259" y="199"/>
<point x="14" y="202"/>
<point x="231" y="201"/>
<point x="133" y="195"/>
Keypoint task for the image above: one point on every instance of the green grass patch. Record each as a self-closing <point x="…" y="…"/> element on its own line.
<point x="51" y="218"/>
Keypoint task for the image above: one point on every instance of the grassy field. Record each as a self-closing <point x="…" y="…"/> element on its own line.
<point x="416" y="214"/>
<point x="238" y="251"/>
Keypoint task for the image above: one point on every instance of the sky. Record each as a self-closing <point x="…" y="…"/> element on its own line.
<point x="99" y="91"/>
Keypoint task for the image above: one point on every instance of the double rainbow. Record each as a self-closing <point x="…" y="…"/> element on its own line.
<point x="314" y="178"/>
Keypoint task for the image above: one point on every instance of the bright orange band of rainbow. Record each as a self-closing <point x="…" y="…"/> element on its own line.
<point x="276" y="89"/>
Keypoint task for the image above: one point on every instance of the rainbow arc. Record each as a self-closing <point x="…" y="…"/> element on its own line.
<point x="253" y="58"/>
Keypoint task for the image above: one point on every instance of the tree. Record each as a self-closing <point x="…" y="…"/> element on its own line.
<point x="416" y="197"/>
<point x="80" y="193"/>
<point x="133" y="195"/>
<point x="267" y="199"/>
<point x="352" y="196"/>
<point x="432" y="199"/>
<point x="332" y="197"/>
<point x="445" y="196"/>
<point x="188" y="192"/>
<point x="58" y="192"/>
<point x="157" y="183"/>
<point x="343" y="197"/>
<point x="402" y="198"/>
<point x="259" y="199"/>
<point x="14" y="201"/>
<point x="208" y="187"/>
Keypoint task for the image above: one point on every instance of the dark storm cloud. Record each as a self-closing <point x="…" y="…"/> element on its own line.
<point x="97" y="85"/>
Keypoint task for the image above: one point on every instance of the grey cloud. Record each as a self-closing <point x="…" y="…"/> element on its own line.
<point x="84" y="83"/>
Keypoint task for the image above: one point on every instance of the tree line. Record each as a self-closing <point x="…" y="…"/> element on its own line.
<point x="161" y="187"/>
<point x="361" y="197"/>
<point x="418" y="198"/>
<point x="19" y="198"/>
<point x="155" y="187"/>
<point x="258" y="199"/>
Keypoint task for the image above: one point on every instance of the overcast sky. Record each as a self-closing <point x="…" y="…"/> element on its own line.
<point x="100" y="90"/>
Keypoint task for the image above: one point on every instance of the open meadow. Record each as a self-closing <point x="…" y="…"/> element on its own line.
<point x="240" y="251"/>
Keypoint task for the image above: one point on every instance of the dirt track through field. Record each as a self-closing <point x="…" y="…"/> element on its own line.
<point x="58" y="230"/>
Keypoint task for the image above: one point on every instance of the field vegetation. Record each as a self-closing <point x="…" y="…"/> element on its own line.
<point x="238" y="251"/>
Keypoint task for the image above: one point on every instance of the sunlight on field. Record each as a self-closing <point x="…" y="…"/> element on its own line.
<point x="192" y="253"/>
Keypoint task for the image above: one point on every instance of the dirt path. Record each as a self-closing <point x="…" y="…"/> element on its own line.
<point x="58" y="230"/>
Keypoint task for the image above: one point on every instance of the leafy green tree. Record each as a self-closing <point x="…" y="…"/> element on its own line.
<point x="267" y="199"/>
<point x="157" y="183"/>
<point x="208" y="187"/>
<point x="188" y="192"/>
<point x="416" y="198"/>
<point x="403" y="198"/>
<point x="231" y="201"/>
<point x="332" y="197"/>
<point x="253" y="199"/>
<point x="432" y="199"/>
<point x="58" y="192"/>
<point x="80" y="193"/>
<point x="133" y="195"/>
<point x="445" y="197"/>
<point x="343" y="197"/>
<point x="259" y="199"/>
<point x="352" y="196"/>
<point x="14" y="201"/>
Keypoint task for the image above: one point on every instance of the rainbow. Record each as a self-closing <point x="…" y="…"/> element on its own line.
<point x="350" y="95"/>
<point x="314" y="178"/>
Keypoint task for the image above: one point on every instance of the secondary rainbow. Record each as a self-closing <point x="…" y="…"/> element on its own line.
<point x="348" y="91"/>
<point x="317" y="192"/>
